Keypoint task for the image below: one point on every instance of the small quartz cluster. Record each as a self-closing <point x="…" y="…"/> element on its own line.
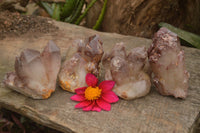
<point x="85" y="60"/>
<point x="35" y="74"/>
<point x="127" y="71"/>
<point x="166" y="59"/>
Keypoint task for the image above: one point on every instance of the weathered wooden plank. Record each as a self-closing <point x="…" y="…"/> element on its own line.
<point x="153" y="113"/>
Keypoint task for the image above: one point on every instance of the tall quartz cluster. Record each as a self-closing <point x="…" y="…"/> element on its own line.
<point x="127" y="71"/>
<point x="35" y="74"/>
<point x="85" y="60"/>
<point x="167" y="63"/>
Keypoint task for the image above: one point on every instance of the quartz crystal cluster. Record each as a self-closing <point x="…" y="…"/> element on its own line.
<point x="167" y="63"/>
<point x="85" y="60"/>
<point x="127" y="71"/>
<point x="35" y="74"/>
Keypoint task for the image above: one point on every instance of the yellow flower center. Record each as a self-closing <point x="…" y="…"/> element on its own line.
<point x="92" y="93"/>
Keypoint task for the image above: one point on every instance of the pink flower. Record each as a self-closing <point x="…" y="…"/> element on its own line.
<point x="93" y="97"/>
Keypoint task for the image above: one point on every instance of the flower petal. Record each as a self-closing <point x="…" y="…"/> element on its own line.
<point x="78" y="98"/>
<point x="103" y="104"/>
<point x="110" y="97"/>
<point x="96" y="108"/>
<point x="88" y="108"/>
<point x="106" y="85"/>
<point x="83" y="104"/>
<point x="80" y="90"/>
<point x="91" y="80"/>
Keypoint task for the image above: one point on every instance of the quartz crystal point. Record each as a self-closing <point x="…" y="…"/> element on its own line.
<point x="167" y="62"/>
<point x="35" y="74"/>
<point x="127" y="71"/>
<point x="84" y="60"/>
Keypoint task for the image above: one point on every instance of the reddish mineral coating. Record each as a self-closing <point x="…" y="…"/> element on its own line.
<point x="85" y="60"/>
<point x="35" y="74"/>
<point x="167" y="63"/>
<point x="127" y="71"/>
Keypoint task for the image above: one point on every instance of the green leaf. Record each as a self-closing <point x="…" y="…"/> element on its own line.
<point x="189" y="37"/>
<point x="85" y="12"/>
<point x="100" y="19"/>
<point x="56" y="12"/>
<point x="68" y="8"/>
<point x="47" y="7"/>
<point x="53" y="6"/>
<point x="76" y="13"/>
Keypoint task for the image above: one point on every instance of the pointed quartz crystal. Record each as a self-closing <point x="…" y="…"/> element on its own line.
<point x="84" y="60"/>
<point x="127" y="71"/>
<point x="35" y="74"/>
<point x="166" y="58"/>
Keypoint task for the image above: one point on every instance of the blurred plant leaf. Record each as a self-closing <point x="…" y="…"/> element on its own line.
<point x="53" y="6"/>
<point x="189" y="37"/>
<point x="76" y="13"/>
<point x="56" y="12"/>
<point x="70" y="11"/>
<point x="100" y="19"/>
<point x="85" y="12"/>
<point x="68" y="8"/>
<point x="17" y="121"/>
<point x="5" y="125"/>
<point x="22" y="119"/>
<point x="48" y="8"/>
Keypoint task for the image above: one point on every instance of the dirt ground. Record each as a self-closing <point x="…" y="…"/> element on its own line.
<point x="11" y="122"/>
<point x="15" y="24"/>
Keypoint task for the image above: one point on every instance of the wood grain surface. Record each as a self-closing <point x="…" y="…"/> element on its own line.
<point x="153" y="113"/>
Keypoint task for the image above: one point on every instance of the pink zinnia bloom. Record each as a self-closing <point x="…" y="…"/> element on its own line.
<point x="93" y="97"/>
